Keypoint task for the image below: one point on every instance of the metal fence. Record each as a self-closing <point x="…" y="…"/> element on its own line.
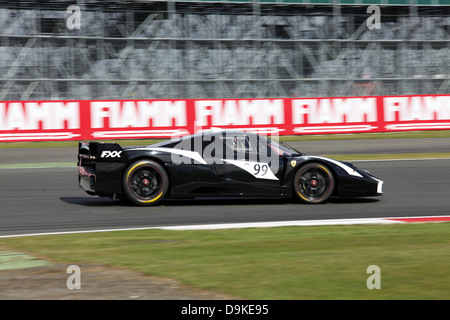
<point x="180" y="50"/>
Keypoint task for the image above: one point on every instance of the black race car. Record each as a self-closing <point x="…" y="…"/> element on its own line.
<point x="222" y="163"/>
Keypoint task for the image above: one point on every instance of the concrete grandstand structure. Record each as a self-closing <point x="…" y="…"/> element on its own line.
<point x="226" y="49"/>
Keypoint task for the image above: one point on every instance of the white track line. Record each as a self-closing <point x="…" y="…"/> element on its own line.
<point x="298" y="223"/>
<point x="384" y="160"/>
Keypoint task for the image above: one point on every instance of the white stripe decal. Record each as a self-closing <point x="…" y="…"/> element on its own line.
<point x="349" y="170"/>
<point x="259" y="170"/>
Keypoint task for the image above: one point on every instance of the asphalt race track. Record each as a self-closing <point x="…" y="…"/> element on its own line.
<point x="419" y="145"/>
<point x="49" y="200"/>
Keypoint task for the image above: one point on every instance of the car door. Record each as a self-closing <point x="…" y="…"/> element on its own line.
<point x="244" y="169"/>
<point x="191" y="174"/>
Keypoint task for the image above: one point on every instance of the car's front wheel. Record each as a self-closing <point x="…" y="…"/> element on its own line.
<point x="314" y="183"/>
<point x="145" y="182"/>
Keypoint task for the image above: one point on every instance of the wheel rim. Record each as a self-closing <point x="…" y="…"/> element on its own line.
<point x="146" y="183"/>
<point x="314" y="184"/>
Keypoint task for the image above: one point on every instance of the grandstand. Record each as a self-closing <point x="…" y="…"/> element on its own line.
<point x="222" y="49"/>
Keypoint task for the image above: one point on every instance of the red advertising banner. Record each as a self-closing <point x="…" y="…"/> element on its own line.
<point x="138" y="119"/>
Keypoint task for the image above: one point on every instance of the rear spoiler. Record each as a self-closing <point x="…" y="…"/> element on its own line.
<point x="100" y="151"/>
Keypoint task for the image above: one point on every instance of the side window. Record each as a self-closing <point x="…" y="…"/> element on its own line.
<point x="240" y="144"/>
<point x="212" y="147"/>
<point x="239" y="147"/>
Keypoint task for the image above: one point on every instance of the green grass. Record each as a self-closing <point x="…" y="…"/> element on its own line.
<point x="388" y="156"/>
<point x="38" y="165"/>
<point x="276" y="263"/>
<point x="144" y="142"/>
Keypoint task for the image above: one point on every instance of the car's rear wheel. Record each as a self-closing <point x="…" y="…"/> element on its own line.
<point x="314" y="183"/>
<point x="145" y="182"/>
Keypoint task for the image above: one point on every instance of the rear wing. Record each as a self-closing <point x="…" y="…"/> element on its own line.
<point x="100" y="152"/>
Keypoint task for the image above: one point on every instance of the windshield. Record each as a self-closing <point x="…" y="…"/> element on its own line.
<point x="283" y="149"/>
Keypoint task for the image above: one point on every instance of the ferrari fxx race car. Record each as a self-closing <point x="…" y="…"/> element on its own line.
<point x="217" y="164"/>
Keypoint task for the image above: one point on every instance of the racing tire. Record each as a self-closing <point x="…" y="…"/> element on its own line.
<point x="145" y="183"/>
<point x="314" y="183"/>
